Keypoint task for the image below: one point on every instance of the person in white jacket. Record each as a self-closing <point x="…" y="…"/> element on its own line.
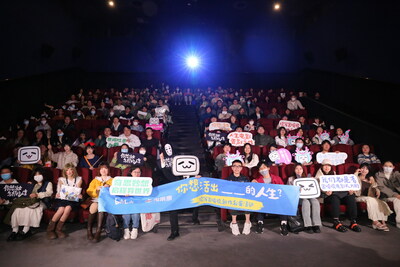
<point x="294" y="104"/>
<point x="132" y="140"/>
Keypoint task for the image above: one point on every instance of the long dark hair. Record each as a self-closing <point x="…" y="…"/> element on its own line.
<point x="294" y="173"/>
<point x="250" y="158"/>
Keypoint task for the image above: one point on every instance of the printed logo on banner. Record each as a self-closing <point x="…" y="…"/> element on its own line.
<point x="345" y="182"/>
<point x="11" y="191"/>
<point x="240" y="138"/>
<point x="303" y="156"/>
<point x="185" y="165"/>
<point x="29" y="154"/>
<point x="130" y="158"/>
<point x="335" y="158"/>
<point x="131" y="186"/>
<point x="218" y="137"/>
<point x="223" y="126"/>
<point x="156" y="127"/>
<point x="70" y="193"/>
<point x="281" y="155"/>
<point x="113" y="141"/>
<point x="289" y="125"/>
<point x="232" y="157"/>
<point x="309" y="187"/>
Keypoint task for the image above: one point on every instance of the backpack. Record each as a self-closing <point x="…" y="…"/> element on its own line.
<point x="114" y="227"/>
<point x="295" y="224"/>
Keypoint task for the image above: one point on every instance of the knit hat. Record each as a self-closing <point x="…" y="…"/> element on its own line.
<point x="326" y="162"/>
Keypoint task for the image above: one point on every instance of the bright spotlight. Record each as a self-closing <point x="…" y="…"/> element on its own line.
<point x="277" y="6"/>
<point x="111" y="3"/>
<point x="192" y="62"/>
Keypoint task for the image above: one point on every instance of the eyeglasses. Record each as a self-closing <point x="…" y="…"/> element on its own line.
<point x="236" y="166"/>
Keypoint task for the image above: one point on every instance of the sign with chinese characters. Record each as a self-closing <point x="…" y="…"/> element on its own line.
<point x="156" y="127"/>
<point x="195" y="192"/>
<point x="70" y="193"/>
<point x="113" y="141"/>
<point x="289" y="125"/>
<point x="185" y="165"/>
<point x="345" y="182"/>
<point x="29" y="155"/>
<point x="335" y="158"/>
<point x="218" y="137"/>
<point x="130" y="159"/>
<point x="309" y="187"/>
<point x="223" y="126"/>
<point x="131" y="186"/>
<point x="240" y="138"/>
<point x="11" y="191"/>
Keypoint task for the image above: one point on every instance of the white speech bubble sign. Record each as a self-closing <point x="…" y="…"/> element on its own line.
<point x="185" y="165"/>
<point x="343" y="182"/>
<point x="29" y="154"/>
<point x="309" y="187"/>
<point x="335" y="158"/>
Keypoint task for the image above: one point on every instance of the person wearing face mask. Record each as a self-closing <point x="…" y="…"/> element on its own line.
<point x="299" y="145"/>
<point x="124" y="149"/>
<point x="136" y="126"/>
<point x="388" y="182"/>
<point x="310" y="208"/>
<point x="294" y="103"/>
<point x="268" y="178"/>
<point x="149" y="160"/>
<point x="59" y="139"/>
<point x="92" y="114"/>
<point x="224" y="115"/>
<point x="30" y="216"/>
<point x="43" y="125"/>
<point x="6" y="176"/>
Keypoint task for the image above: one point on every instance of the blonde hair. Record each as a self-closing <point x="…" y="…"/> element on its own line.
<point x="69" y="166"/>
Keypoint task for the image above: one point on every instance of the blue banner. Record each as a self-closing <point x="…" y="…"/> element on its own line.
<point x="195" y="192"/>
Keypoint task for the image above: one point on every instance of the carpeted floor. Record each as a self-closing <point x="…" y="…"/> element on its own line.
<point x="204" y="246"/>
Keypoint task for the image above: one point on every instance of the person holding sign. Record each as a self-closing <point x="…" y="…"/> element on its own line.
<point x="335" y="198"/>
<point x="310" y="207"/>
<point x="6" y="176"/>
<point x="268" y="178"/>
<point x="124" y="149"/>
<point x="236" y="176"/>
<point x="30" y="216"/>
<point x="389" y="185"/>
<point x="378" y="210"/>
<point x="64" y="207"/>
<point x="103" y="180"/>
<point x="132" y="220"/>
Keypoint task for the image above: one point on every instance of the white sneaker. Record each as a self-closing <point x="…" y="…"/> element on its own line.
<point x="246" y="229"/>
<point x="134" y="233"/>
<point x="235" y="228"/>
<point x="127" y="234"/>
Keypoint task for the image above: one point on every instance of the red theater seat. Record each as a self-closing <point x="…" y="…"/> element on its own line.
<point x="347" y="168"/>
<point x="22" y="174"/>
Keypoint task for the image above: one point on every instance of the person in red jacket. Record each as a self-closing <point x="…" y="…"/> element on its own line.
<point x="268" y="178"/>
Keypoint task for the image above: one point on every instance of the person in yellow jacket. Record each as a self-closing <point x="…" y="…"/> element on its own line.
<point x="103" y="180"/>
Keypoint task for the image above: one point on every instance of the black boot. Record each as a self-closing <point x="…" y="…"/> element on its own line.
<point x="90" y="226"/>
<point x="100" y="216"/>
<point x="173" y="236"/>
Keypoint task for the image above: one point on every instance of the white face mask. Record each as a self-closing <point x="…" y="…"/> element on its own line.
<point x="387" y="170"/>
<point x="251" y="122"/>
<point x="38" y="178"/>
<point x="43" y="122"/>
<point x="78" y="113"/>
<point x="26" y="122"/>
<point x="93" y="112"/>
<point x="111" y="114"/>
<point x="135" y="123"/>
<point x="293" y="99"/>
<point x="168" y="149"/>
<point x="142" y="151"/>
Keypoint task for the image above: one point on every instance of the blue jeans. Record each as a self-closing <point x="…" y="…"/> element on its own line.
<point x="135" y="220"/>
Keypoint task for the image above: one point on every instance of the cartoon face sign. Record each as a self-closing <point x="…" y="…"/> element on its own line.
<point x="273" y="156"/>
<point x="302" y="156"/>
<point x="232" y="157"/>
<point x="185" y="165"/>
<point x="325" y="136"/>
<point x="309" y="187"/>
<point x="281" y="155"/>
<point x="29" y="154"/>
<point x="168" y="150"/>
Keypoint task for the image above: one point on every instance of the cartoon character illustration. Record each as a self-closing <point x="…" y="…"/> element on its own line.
<point x="281" y="155"/>
<point x="303" y="156"/>
<point x="185" y="165"/>
<point x="309" y="187"/>
<point x="292" y="139"/>
<point x="29" y="154"/>
<point x="232" y="157"/>
<point x="325" y="136"/>
<point x="344" y="138"/>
